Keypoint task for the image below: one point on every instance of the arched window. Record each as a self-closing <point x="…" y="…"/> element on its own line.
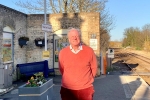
<point x="7" y="44"/>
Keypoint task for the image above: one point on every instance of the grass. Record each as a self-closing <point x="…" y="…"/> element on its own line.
<point x="112" y="68"/>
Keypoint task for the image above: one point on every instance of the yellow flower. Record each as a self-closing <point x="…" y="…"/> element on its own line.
<point x="32" y="78"/>
<point x="36" y="80"/>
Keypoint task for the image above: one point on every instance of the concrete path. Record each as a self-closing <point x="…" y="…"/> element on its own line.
<point x="108" y="87"/>
<point x="121" y="87"/>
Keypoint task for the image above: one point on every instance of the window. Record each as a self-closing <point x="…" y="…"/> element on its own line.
<point x="7" y="47"/>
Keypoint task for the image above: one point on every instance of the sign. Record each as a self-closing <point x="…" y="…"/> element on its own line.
<point x="110" y="53"/>
<point x="39" y="42"/>
<point x="93" y="44"/>
<point x="47" y="27"/>
<point x="46" y="54"/>
<point x="110" y="56"/>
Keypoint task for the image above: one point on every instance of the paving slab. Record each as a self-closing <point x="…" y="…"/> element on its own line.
<point x="140" y="90"/>
<point x="109" y="88"/>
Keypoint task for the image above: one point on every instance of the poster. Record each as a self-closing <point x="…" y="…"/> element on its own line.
<point x="93" y="44"/>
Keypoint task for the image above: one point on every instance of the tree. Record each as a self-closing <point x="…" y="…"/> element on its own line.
<point x="62" y="6"/>
<point x="132" y="37"/>
<point x="146" y="37"/>
<point x="75" y="6"/>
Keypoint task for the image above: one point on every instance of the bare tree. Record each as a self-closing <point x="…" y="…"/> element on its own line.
<point x="62" y="6"/>
<point x="146" y="37"/>
<point x="104" y="40"/>
<point x="135" y="38"/>
<point x="75" y="6"/>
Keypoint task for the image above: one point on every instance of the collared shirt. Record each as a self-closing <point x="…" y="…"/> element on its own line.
<point x="75" y="52"/>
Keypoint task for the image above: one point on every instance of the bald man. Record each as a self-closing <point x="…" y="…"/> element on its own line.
<point x="78" y="66"/>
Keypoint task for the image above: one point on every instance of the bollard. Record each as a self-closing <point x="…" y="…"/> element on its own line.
<point x="101" y="63"/>
<point x="105" y="65"/>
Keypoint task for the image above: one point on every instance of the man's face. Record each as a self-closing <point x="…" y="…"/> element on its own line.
<point x="74" y="38"/>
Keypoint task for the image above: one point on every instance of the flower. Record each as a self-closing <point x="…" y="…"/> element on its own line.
<point x="36" y="80"/>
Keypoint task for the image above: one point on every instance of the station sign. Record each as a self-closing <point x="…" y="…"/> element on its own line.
<point x="47" y="27"/>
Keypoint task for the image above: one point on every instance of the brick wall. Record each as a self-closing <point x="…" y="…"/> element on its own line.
<point x="17" y="22"/>
<point x="34" y="30"/>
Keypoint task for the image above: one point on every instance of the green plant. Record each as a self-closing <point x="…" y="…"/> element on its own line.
<point x="24" y="38"/>
<point x="109" y="69"/>
<point x="36" y="80"/>
<point x="39" y="39"/>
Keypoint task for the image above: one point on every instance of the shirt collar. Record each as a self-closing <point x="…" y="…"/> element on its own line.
<point x="80" y="47"/>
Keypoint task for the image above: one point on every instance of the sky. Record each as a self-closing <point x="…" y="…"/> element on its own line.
<point x="126" y="14"/>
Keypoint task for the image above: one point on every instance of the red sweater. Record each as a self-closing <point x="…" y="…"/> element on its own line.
<point x="78" y="70"/>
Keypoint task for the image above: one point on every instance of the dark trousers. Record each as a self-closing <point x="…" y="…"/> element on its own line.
<point x="83" y="94"/>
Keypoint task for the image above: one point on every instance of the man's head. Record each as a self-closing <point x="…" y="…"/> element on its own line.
<point x="74" y="37"/>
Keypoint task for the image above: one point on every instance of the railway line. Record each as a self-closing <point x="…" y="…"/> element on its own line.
<point x="146" y="59"/>
<point x="132" y="64"/>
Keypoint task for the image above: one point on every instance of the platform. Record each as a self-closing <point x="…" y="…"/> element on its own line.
<point x="107" y="87"/>
<point x="121" y="87"/>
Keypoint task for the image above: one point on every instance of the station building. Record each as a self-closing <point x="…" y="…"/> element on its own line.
<point x="15" y="24"/>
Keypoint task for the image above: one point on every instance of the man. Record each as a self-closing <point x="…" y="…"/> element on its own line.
<point x="78" y="66"/>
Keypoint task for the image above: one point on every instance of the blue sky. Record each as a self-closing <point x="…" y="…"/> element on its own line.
<point x="127" y="13"/>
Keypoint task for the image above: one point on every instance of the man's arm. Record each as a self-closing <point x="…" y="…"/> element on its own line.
<point x="60" y="61"/>
<point x="94" y="64"/>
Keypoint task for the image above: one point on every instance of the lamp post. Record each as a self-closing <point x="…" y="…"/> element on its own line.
<point x="46" y="28"/>
<point x="45" y="23"/>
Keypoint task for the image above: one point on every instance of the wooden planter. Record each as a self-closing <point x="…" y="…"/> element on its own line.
<point x="22" y="42"/>
<point x="44" y="92"/>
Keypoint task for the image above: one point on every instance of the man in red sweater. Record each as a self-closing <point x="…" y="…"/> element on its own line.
<point x="78" y="66"/>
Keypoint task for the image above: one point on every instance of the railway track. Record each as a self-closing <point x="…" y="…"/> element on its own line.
<point x="136" y="64"/>
<point x="143" y="58"/>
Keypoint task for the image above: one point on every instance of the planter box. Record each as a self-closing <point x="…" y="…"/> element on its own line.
<point x="22" y="42"/>
<point x="44" y="92"/>
<point x="40" y="43"/>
